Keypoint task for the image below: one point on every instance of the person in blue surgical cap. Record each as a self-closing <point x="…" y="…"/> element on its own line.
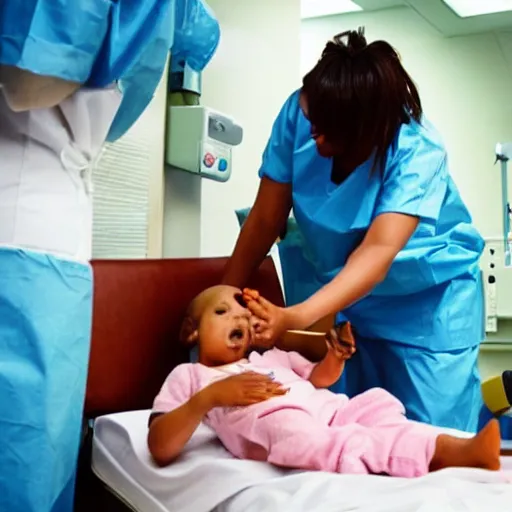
<point x="393" y="244"/>
<point x="72" y="75"/>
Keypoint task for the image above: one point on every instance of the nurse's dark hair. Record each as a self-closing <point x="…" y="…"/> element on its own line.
<point x="358" y="95"/>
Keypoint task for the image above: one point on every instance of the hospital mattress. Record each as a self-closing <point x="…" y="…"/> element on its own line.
<point x="207" y="478"/>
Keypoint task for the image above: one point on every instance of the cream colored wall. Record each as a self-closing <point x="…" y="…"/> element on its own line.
<point x="466" y="88"/>
<point x="156" y="114"/>
<point x="256" y="67"/>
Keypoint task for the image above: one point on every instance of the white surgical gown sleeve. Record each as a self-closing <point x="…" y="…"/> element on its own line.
<point x="277" y="161"/>
<point x="415" y="179"/>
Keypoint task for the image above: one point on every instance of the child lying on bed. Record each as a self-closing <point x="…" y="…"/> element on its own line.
<point x="274" y="407"/>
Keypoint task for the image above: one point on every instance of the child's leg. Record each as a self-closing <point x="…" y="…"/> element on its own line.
<point x="481" y="451"/>
<point x="375" y="407"/>
<point x="293" y="438"/>
<point x="382" y="412"/>
<point x="289" y="438"/>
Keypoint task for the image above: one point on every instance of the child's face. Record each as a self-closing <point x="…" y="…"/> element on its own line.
<point x="225" y="327"/>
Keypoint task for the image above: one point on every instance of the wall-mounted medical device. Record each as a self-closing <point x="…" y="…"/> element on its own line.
<point x="200" y="141"/>
<point x="497" y="258"/>
<point x="503" y="155"/>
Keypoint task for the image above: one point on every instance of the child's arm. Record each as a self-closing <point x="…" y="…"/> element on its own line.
<point x="340" y="347"/>
<point x="327" y="372"/>
<point x="169" y="432"/>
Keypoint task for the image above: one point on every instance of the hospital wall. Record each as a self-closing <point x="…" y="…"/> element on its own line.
<point x="465" y="85"/>
<point x="256" y="67"/>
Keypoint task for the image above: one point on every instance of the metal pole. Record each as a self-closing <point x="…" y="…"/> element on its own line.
<point x="506" y="211"/>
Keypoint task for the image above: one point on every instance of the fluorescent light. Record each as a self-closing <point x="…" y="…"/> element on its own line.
<point x="316" y="8"/>
<point x="468" y="8"/>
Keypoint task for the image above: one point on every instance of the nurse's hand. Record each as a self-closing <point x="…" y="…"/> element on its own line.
<point x="273" y="320"/>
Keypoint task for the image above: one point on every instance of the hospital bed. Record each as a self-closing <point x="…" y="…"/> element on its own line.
<point x="138" y="307"/>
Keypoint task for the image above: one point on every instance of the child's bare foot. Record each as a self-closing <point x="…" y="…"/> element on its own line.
<point x="481" y="451"/>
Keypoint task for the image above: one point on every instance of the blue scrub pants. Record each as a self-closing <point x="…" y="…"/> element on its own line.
<point x="45" y="325"/>
<point x="439" y="388"/>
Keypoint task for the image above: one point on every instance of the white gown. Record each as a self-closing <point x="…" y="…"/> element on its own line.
<point x="46" y="293"/>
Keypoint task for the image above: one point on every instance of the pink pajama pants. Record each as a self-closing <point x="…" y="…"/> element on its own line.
<point x="369" y="434"/>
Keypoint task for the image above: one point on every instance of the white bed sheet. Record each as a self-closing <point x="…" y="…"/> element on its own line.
<point x="207" y="478"/>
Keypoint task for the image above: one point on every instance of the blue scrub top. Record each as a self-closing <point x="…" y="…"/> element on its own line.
<point x="99" y="42"/>
<point x="432" y="295"/>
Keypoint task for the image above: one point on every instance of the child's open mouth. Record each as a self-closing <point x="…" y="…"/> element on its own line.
<point x="236" y="334"/>
<point x="237" y="337"/>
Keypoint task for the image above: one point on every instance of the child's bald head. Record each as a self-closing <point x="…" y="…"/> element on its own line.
<point x="219" y="322"/>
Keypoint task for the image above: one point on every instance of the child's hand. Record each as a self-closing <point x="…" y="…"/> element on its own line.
<point x="243" y="389"/>
<point x="340" y="342"/>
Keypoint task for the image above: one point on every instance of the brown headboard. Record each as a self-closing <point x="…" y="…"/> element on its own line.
<point x="138" y="309"/>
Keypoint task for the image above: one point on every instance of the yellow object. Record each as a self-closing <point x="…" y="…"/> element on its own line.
<point x="183" y="98"/>
<point x="494" y="393"/>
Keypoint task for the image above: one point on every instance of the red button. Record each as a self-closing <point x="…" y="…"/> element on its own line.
<point x="209" y="160"/>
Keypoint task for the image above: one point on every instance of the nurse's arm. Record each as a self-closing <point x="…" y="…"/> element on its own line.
<point x="263" y="226"/>
<point x="24" y="90"/>
<point x="366" y="267"/>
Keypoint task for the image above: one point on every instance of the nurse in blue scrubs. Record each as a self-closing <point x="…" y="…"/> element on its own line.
<point x="367" y="178"/>
<point x="72" y="75"/>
